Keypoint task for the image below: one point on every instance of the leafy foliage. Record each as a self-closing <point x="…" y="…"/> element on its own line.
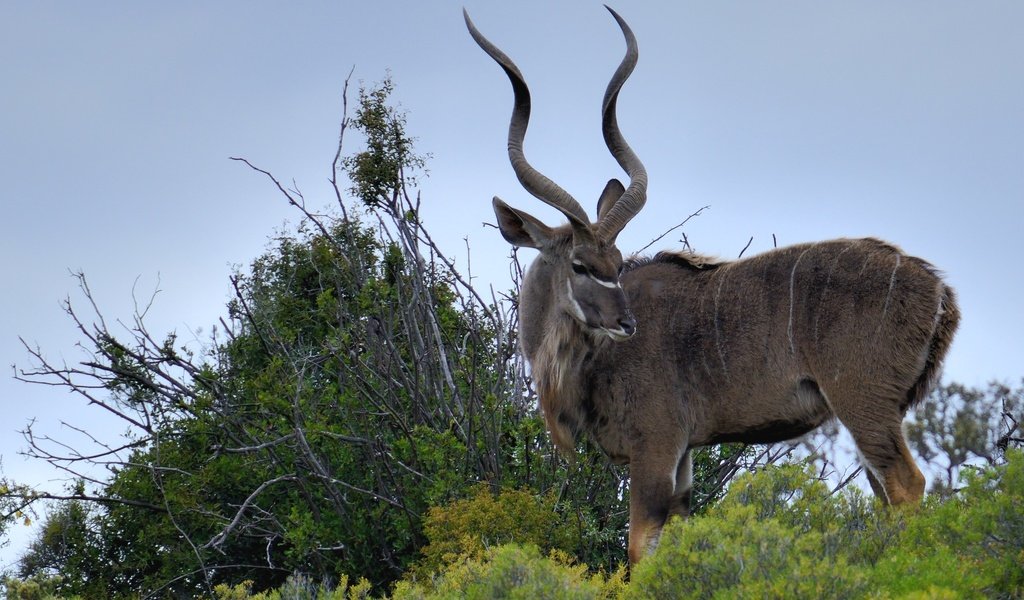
<point x="957" y="425"/>
<point x="465" y="529"/>
<point x="15" y="504"/>
<point x="780" y="533"/>
<point x="66" y="544"/>
<point x="777" y="534"/>
<point x="380" y="172"/>
<point x="972" y="544"/>
<point x="296" y="588"/>
<point x="357" y="381"/>
<point x="515" y="571"/>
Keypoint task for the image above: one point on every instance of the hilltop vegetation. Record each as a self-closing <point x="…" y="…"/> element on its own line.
<point x="778" y="533"/>
<point x="361" y="424"/>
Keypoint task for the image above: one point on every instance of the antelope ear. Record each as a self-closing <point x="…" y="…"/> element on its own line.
<point x="612" y="192"/>
<point x="519" y="228"/>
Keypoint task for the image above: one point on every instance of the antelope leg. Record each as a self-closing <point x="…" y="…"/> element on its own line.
<point x="684" y="486"/>
<point x="652" y="497"/>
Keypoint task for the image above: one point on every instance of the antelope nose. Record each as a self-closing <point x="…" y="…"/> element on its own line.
<point x="628" y="325"/>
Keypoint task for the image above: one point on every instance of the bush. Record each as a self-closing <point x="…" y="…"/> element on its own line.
<point x="515" y="571"/>
<point x="777" y="534"/>
<point x="466" y="528"/>
<point x="971" y="544"/>
<point x="39" y="587"/>
<point x="781" y="534"/>
<point x="297" y="587"/>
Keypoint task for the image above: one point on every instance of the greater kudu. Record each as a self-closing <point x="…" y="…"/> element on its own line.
<point x="653" y="357"/>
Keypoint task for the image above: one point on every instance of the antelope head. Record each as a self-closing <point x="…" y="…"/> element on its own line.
<point x="579" y="263"/>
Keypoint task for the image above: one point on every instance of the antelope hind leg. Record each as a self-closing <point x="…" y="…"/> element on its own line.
<point x="876" y="485"/>
<point x="904" y="476"/>
<point x="892" y="472"/>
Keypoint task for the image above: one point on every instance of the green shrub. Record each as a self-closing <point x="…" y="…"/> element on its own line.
<point x="515" y="571"/>
<point x="779" y="533"/>
<point x="466" y="528"/>
<point x="38" y="587"/>
<point x="297" y="587"/>
<point x="736" y="553"/>
<point x="971" y="544"/>
<point x="776" y="534"/>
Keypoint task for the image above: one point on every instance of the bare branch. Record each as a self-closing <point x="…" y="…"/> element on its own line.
<point x="673" y="228"/>
<point x="749" y="242"/>
<point x="219" y="539"/>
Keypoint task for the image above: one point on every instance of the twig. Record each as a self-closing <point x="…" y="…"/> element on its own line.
<point x="219" y="539"/>
<point x="750" y="241"/>
<point x="673" y="228"/>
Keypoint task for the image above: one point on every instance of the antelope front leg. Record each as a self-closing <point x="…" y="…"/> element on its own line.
<point x="684" y="486"/>
<point x="652" y="497"/>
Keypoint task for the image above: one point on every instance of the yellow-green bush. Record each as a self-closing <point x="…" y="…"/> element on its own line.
<point x="777" y="534"/>
<point x="466" y="528"/>
<point x="972" y="543"/>
<point x="516" y="572"/>
<point x="33" y="588"/>
<point x="780" y="534"/>
<point x="297" y="588"/>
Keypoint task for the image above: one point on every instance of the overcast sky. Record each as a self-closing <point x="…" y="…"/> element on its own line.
<point x="798" y="120"/>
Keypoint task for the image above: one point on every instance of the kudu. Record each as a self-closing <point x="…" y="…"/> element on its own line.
<point x="653" y="357"/>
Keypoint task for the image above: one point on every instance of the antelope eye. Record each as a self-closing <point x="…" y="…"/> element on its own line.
<point x="579" y="268"/>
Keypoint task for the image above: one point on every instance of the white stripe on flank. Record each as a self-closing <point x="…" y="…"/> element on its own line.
<point x="888" y="296"/>
<point x="792" y="283"/>
<point x="718" y="325"/>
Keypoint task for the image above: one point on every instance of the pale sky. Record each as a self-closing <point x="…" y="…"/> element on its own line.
<point x="803" y="120"/>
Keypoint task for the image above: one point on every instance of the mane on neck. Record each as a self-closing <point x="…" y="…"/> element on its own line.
<point x="558" y="370"/>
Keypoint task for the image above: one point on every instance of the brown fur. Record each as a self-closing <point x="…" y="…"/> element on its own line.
<point x="757" y="350"/>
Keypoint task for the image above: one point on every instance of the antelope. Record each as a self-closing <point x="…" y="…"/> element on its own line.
<point x="653" y="357"/>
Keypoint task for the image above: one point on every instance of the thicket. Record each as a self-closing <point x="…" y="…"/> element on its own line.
<point x="356" y="381"/>
<point x="361" y="422"/>
<point x="778" y="533"/>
